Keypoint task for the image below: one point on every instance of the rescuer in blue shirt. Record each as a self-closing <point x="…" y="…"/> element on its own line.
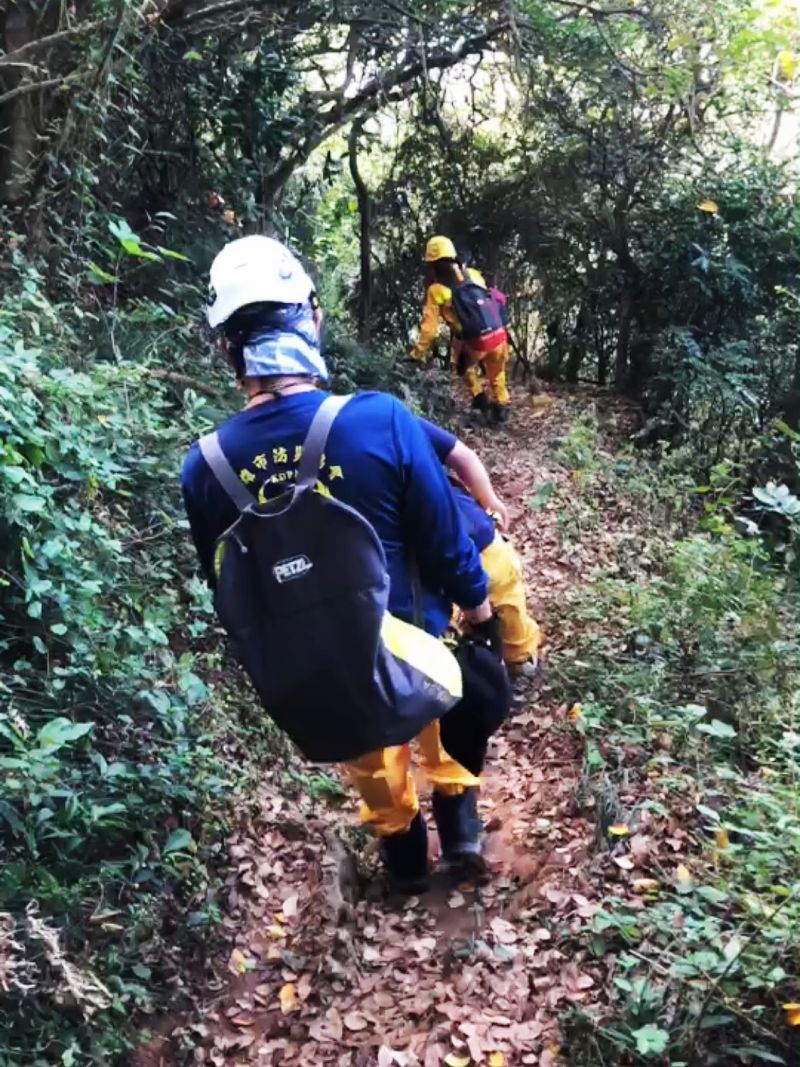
<point x="377" y="460"/>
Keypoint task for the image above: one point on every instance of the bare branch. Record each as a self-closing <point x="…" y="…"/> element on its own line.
<point x="642" y="12"/>
<point x="379" y="86"/>
<point x="11" y="59"/>
<point x="32" y="87"/>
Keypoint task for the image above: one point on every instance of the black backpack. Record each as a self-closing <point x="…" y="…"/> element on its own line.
<point x="302" y="589"/>
<point x="476" y="309"/>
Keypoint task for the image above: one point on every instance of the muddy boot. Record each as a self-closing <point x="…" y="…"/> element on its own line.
<point x="499" y="414"/>
<point x="480" y="404"/>
<point x="405" y="858"/>
<point x="460" y="832"/>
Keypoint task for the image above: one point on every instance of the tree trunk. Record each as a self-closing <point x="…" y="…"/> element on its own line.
<point x="623" y="337"/>
<point x="17" y="126"/>
<point x="362" y="196"/>
<point x="577" y="344"/>
<point x="602" y="359"/>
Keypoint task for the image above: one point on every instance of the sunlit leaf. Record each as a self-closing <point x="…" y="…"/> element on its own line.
<point x="170" y="253"/>
<point x="683" y="878"/>
<point x="716" y="728"/>
<point x="288" y="998"/>
<point x="645" y="885"/>
<point x="238" y="963"/>
<point x="787" y="63"/>
<point x="96" y="273"/>
<point x="650" y="1040"/>
<point x="60" y="731"/>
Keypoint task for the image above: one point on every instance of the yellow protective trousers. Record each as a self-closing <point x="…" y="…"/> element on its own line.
<point x="385" y="780"/>
<point x="494" y="364"/>
<point x="521" y="634"/>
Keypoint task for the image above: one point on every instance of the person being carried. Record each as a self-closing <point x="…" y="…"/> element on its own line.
<point x="485" y="517"/>
<point x="379" y="463"/>
<point x="458" y="297"/>
<point x="499" y="296"/>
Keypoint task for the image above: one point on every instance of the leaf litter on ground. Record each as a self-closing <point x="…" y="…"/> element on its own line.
<point x="465" y="975"/>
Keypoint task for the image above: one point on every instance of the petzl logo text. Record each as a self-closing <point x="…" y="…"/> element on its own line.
<point x="289" y="569"/>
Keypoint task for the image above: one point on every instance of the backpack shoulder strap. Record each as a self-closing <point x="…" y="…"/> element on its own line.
<point x="316" y="439"/>
<point x="223" y="471"/>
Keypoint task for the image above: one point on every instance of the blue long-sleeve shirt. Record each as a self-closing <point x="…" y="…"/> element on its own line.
<point x="379" y="461"/>
<point x="477" y="522"/>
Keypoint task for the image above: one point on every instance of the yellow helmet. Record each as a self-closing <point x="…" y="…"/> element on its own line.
<point x="439" y="248"/>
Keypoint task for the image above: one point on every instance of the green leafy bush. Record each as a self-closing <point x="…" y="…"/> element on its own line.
<point x="112" y="769"/>
<point x="688" y="678"/>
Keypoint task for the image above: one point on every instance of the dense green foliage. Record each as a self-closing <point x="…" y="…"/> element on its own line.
<point x="689" y="702"/>
<point x="114" y="746"/>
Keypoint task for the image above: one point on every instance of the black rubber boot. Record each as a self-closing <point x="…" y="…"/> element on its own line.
<point x="499" y="413"/>
<point x="405" y="857"/>
<point x="480" y="403"/>
<point x="459" y="832"/>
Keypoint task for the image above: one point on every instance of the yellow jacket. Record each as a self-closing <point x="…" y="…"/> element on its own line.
<point x="438" y="310"/>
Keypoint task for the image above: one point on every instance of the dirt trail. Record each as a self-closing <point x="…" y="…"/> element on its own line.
<point x="328" y="971"/>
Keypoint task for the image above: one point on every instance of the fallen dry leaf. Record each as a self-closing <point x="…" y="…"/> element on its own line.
<point x="503" y="931"/>
<point x="288" y="998"/>
<point x="238" y="962"/>
<point x="243" y="1018"/>
<point x="354" y="1020"/>
<point x="683" y="876"/>
<point x="369" y="984"/>
<point x="645" y="885"/>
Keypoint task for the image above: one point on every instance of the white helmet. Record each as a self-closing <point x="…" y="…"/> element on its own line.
<point x="252" y="270"/>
